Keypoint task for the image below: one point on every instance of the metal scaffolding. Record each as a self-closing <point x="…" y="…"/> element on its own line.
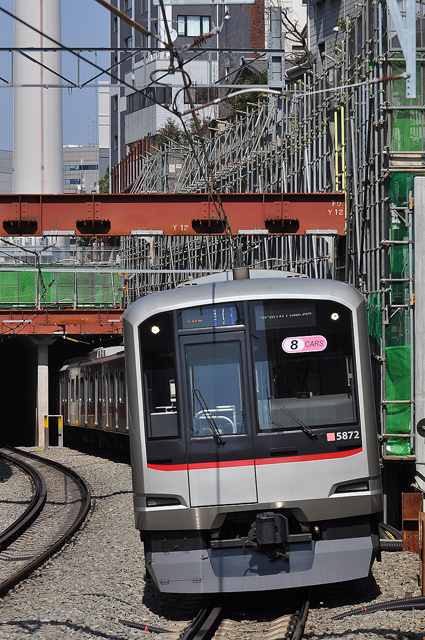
<point x="342" y="126"/>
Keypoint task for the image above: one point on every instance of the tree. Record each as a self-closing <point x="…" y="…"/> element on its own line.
<point x="240" y="103"/>
<point x="170" y="131"/>
<point x="297" y="34"/>
<point x="104" y="182"/>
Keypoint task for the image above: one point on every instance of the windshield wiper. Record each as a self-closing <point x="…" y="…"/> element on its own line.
<point x="211" y="422"/>
<point x="299" y="422"/>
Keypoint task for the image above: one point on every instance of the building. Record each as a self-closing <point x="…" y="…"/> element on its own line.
<point x="103" y="93"/>
<point x="134" y="115"/>
<point x="81" y="169"/>
<point x="6" y="171"/>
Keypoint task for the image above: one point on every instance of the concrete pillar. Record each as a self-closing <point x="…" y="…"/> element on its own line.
<point x="42" y="406"/>
<point x="419" y="353"/>
<point x="42" y="394"/>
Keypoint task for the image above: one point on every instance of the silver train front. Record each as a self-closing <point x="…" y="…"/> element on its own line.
<point x="252" y="434"/>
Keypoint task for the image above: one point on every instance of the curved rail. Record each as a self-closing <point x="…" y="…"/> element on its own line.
<point x="58" y="542"/>
<point x="34" y="508"/>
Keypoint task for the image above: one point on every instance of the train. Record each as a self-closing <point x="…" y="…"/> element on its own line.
<point x="248" y="401"/>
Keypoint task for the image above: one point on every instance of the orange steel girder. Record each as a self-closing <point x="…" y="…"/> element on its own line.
<point x="171" y="214"/>
<point x="60" y="322"/>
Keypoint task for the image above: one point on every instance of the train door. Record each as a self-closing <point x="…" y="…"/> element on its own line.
<point x="219" y="441"/>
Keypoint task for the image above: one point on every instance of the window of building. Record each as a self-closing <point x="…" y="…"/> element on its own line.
<point x="128" y="42"/>
<point x="115" y="143"/>
<point x="193" y="25"/>
<point x="137" y="101"/>
<point x="144" y="6"/>
<point x="127" y="5"/>
<point x="81" y="167"/>
<point x="115" y="103"/>
<point x="201" y="95"/>
<point x="115" y="24"/>
<point x="72" y="181"/>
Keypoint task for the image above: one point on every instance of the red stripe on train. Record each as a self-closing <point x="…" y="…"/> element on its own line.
<point x="258" y="461"/>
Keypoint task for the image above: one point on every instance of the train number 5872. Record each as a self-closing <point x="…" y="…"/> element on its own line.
<point x="348" y="435"/>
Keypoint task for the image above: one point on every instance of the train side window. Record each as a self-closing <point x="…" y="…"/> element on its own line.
<point x="121" y="387"/>
<point x="82" y="394"/>
<point x="91" y="390"/>
<point x="158" y="365"/>
<point x="111" y="389"/>
<point x="72" y="390"/>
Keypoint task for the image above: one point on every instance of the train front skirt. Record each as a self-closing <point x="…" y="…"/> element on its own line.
<point x="249" y="569"/>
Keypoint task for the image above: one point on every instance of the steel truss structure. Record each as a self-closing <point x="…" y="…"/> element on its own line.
<point x="342" y="127"/>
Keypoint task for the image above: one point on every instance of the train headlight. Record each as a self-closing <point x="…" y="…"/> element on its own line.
<point x="335" y="317"/>
<point x="161" y="502"/>
<point x="155" y="329"/>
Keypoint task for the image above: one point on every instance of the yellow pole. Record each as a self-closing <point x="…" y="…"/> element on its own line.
<point x="60" y="432"/>
<point x="46" y="432"/>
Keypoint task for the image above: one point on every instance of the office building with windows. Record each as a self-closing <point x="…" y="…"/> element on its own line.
<point x="135" y="116"/>
<point x="81" y="169"/>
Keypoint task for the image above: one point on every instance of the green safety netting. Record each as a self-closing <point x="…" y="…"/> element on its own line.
<point x="59" y="289"/>
<point x="406" y="126"/>
<point x="397" y="382"/>
<point x="374" y="318"/>
<point x="397" y="332"/>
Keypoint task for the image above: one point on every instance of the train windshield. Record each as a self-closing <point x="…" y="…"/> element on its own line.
<point x="303" y="364"/>
<point x="215" y="384"/>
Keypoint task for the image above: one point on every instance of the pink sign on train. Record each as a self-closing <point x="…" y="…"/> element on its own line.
<point x="304" y="344"/>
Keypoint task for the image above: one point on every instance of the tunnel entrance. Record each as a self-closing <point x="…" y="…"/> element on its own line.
<point x="18" y="381"/>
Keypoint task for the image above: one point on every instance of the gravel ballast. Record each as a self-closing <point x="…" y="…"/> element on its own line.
<point x="96" y="583"/>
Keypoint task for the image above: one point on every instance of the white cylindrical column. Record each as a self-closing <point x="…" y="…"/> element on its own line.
<point x="37" y="111"/>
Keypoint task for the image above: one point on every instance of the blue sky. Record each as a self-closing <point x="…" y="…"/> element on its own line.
<point x="85" y="23"/>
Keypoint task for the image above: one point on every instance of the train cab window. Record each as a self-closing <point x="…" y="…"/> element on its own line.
<point x="158" y="366"/>
<point x="215" y="389"/>
<point x="303" y="364"/>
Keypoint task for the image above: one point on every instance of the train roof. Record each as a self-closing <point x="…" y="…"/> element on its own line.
<point x="226" y="276"/>
<point x="264" y="284"/>
<point x="102" y="353"/>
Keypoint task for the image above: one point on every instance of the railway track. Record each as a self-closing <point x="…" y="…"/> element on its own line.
<point x="251" y="616"/>
<point x="246" y="618"/>
<point x="60" y="503"/>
